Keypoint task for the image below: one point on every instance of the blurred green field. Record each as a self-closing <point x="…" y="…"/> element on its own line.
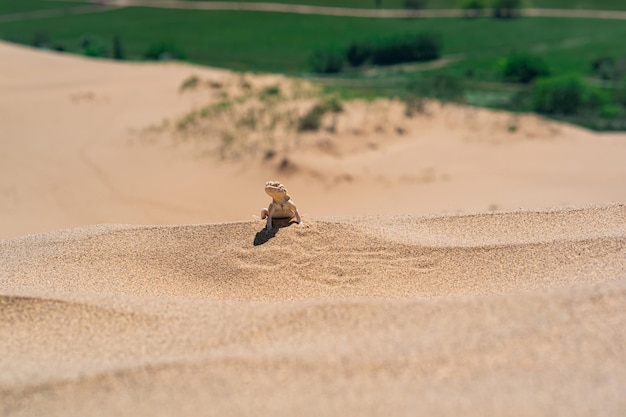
<point x="473" y="49"/>
<point x="277" y="42"/>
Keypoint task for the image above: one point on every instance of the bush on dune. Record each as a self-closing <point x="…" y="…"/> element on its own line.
<point x="523" y="68"/>
<point x="416" y="47"/>
<point x="93" y="46"/>
<point x="409" y="48"/>
<point x="566" y="96"/>
<point x="358" y="53"/>
<point x="326" y="61"/>
<point x="312" y="120"/>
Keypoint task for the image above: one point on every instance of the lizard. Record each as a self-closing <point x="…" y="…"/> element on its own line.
<point x="281" y="206"/>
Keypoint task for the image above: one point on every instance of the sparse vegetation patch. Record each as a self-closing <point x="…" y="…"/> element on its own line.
<point x="248" y="122"/>
<point x="566" y="96"/>
<point x="312" y="120"/>
<point x="523" y="68"/>
<point x="329" y="61"/>
<point x="416" y="47"/>
<point x="190" y="83"/>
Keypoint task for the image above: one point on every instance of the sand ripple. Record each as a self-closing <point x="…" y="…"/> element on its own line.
<point x="448" y="315"/>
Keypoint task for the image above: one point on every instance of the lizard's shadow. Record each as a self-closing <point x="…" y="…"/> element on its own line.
<point x="264" y="235"/>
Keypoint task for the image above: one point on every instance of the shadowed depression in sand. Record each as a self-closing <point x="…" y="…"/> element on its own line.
<point x="456" y="262"/>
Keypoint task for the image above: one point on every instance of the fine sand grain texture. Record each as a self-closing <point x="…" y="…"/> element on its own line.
<point x="518" y="313"/>
<point x="452" y="261"/>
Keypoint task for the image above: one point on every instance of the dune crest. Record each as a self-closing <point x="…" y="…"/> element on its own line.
<point x="446" y="315"/>
<point x="139" y="143"/>
<point x="377" y="257"/>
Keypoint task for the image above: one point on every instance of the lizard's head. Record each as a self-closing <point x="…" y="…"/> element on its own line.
<point x="276" y="190"/>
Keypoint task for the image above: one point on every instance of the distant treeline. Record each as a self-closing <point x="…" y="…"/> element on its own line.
<point x="415" y="47"/>
<point x="97" y="47"/>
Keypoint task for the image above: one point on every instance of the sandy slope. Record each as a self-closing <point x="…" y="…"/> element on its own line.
<point x="402" y="311"/>
<point x="493" y="314"/>
<point x="74" y="151"/>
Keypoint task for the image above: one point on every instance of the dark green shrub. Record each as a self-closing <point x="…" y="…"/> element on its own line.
<point x="93" y="46"/>
<point x="270" y="93"/>
<point x="473" y="8"/>
<point x="415" y="4"/>
<point x="619" y="94"/>
<point x="359" y="53"/>
<point x="412" y="48"/>
<point x="42" y="40"/>
<point x="523" y="68"/>
<point x="327" y="61"/>
<point x="332" y="105"/>
<point x="118" y="49"/>
<point x="189" y="83"/>
<point x="164" y="51"/>
<point x="506" y="9"/>
<point x="312" y="120"/>
<point x="610" y="111"/>
<point x="565" y="95"/>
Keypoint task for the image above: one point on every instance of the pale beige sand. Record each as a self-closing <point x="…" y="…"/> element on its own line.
<point x="517" y="313"/>
<point x="75" y="150"/>
<point x="386" y="307"/>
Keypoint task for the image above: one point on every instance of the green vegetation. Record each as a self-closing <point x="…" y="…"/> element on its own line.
<point x="230" y="39"/>
<point x="523" y="68"/>
<point x="609" y="69"/>
<point x="312" y="120"/>
<point x="565" y="96"/>
<point x="270" y="93"/>
<point x="21" y="6"/>
<point x="398" y="49"/>
<point x="482" y="61"/>
<point x="326" y="61"/>
<point x="442" y="86"/>
<point x="359" y="52"/>
<point x="190" y="83"/>
<point x="164" y="51"/>
<point x="93" y="46"/>
<point x="118" y="49"/>
<point x="506" y="9"/>
<point x="414" y="4"/>
<point x="407" y="48"/>
<point x="473" y="8"/>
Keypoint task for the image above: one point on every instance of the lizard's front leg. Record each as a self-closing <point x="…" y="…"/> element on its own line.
<point x="295" y="211"/>
<point x="270" y="213"/>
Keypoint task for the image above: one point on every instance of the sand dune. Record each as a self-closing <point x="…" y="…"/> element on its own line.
<point x="181" y="303"/>
<point x="488" y="314"/>
<point x="85" y="142"/>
